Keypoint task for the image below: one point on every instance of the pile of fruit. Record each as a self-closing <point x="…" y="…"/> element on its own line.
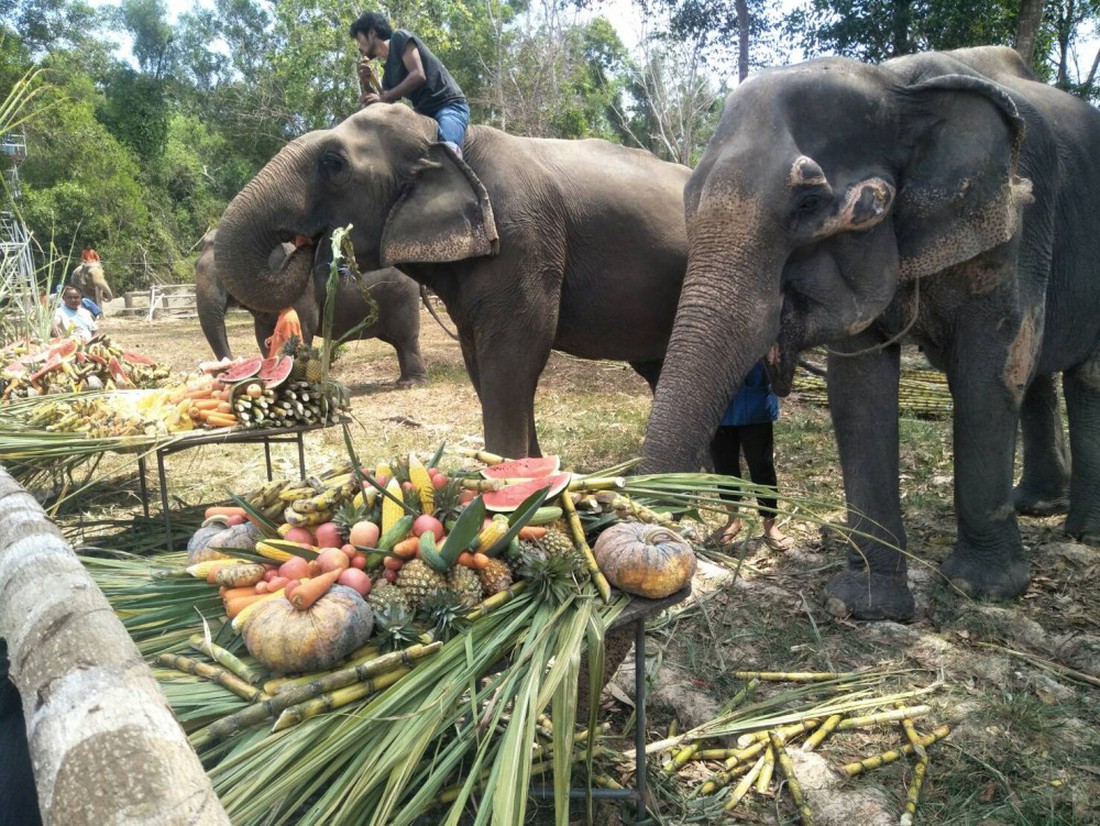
<point x="67" y="365"/>
<point x="310" y="570"/>
<point x="246" y="393"/>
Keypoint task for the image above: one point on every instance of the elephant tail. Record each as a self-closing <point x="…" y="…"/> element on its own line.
<point x="425" y="296"/>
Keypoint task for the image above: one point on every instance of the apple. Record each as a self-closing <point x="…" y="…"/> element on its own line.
<point x="426" y="522"/>
<point x="365" y="534"/>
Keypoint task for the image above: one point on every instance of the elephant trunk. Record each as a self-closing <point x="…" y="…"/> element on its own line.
<point x="264" y="247"/>
<point x="727" y="319"/>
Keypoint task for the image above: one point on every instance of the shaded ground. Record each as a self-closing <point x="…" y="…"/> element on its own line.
<point x="1021" y="681"/>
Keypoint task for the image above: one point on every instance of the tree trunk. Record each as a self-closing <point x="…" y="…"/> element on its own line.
<point x="103" y="741"/>
<point x="1027" y="28"/>
<point x="742" y="8"/>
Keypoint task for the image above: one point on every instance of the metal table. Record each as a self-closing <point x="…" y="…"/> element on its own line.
<point x="633" y="617"/>
<point x="264" y="436"/>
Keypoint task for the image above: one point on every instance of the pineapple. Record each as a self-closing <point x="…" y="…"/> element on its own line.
<point x="394" y="628"/>
<point x="465" y="584"/>
<point x="383" y="595"/>
<point x="556" y="544"/>
<point x="552" y="577"/>
<point x="315" y="370"/>
<point x="417" y="580"/>
<point x="495" y="577"/>
<point x="444" y="610"/>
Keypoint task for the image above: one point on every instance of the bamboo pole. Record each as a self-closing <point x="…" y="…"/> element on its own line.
<point x="214" y="673"/>
<point x="577" y="529"/>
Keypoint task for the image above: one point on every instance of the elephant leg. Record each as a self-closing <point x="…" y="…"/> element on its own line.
<point x="988" y="377"/>
<point x="863" y="400"/>
<point x="509" y="364"/>
<point x="1044" y="487"/>
<point x="650" y="371"/>
<point x="409" y="360"/>
<point x="1082" y="389"/>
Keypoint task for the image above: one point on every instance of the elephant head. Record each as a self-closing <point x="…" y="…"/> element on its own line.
<point x="408" y="199"/>
<point x="827" y="187"/>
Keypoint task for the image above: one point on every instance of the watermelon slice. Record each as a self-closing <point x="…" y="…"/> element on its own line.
<point x="275" y="370"/>
<point x="523" y="468"/>
<point x="507" y="499"/>
<point x="117" y="373"/>
<point x="244" y="368"/>
<point x="137" y="358"/>
<point x="64" y="349"/>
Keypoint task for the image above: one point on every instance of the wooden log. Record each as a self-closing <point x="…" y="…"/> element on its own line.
<point x="103" y="741"/>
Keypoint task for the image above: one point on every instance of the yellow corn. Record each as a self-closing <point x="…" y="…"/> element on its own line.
<point x="391" y="510"/>
<point x="491" y="533"/>
<point x="418" y="475"/>
<point x="272" y="553"/>
<point x="239" y="620"/>
<point x="201" y="570"/>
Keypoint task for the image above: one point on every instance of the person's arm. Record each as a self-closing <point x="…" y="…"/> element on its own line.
<point x="412" y="81"/>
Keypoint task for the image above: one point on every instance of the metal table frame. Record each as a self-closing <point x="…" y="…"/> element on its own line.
<point x="264" y="436"/>
<point x="635" y="614"/>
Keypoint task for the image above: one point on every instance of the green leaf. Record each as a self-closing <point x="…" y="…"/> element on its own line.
<point x="465" y="530"/>
<point x="257" y="518"/>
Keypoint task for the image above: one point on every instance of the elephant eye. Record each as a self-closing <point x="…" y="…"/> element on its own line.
<point x="333" y="166"/>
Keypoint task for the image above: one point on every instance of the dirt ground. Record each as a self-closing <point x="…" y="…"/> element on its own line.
<point x="1019" y="683"/>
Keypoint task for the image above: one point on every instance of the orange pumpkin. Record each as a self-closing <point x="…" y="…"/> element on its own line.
<point x="285" y="639"/>
<point x="646" y="560"/>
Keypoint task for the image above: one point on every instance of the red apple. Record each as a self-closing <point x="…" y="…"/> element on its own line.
<point x="426" y="522"/>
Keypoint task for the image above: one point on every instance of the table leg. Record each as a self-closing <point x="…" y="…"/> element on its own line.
<point x="267" y="457"/>
<point x="163" y="480"/>
<point x="301" y="455"/>
<point x="639" y="716"/>
<point x="142" y="486"/>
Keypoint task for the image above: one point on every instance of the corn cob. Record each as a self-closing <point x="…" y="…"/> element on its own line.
<point x="391" y="505"/>
<point x="201" y="570"/>
<point x="422" y="481"/>
<point x="238" y="621"/>
<point x="490" y="534"/>
<point x="269" y="551"/>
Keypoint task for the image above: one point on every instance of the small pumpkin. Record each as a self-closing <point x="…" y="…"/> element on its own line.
<point x="215" y="534"/>
<point x="646" y="560"/>
<point x="285" y="639"/>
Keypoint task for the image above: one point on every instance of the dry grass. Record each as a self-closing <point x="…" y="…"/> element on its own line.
<point x="1026" y="741"/>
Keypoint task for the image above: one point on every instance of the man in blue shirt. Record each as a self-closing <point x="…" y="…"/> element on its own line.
<point x="409" y="69"/>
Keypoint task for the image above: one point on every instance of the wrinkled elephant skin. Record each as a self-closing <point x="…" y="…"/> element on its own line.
<point x="396" y="298"/>
<point x="946" y="199"/>
<point x="532" y="245"/>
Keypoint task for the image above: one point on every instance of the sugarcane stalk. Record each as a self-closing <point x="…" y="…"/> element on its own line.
<point x="360" y="656"/>
<point x="877" y="760"/>
<point x="784" y="732"/>
<point x="723" y="778"/>
<point x="741" y="696"/>
<point x="912" y="794"/>
<point x="742" y="788"/>
<point x="745" y="754"/>
<point x="223" y="657"/>
<point x="577" y="529"/>
<point x="893" y="716"/>
<point x="914" y="737"/>
<point x="483" y="456"/>
<point x="482" y="485"/>
<point x="794" y="676"/>
<point x="625" y="506"/>
<point x="822" y="731"/>
<point x="596" y="483"/>
<point x="764" y="779"/>
<point x="296" y="714"/>
<point x="215" y="673"/>
<point x="496" y="600"/>
<point x="450" y="794"/>
<point x="606" y="782"/>
<point x="805" y="816"/>
<point x="681" y="758"/>
<point x="295" y="695"/>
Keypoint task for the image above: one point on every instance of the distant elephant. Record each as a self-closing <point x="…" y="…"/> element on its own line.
<point x="531" y="244"/>
<point x="949" y="198"/>
<point x="397" y="324"/>
<point x="90" y="280"/>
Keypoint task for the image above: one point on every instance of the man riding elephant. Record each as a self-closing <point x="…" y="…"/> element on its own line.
<point x="89" y="277"/>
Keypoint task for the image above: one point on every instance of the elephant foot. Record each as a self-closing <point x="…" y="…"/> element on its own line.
<point x="1031" y="502"/>
<point x="1082" y="528"/>
<point x="859" y="593"/>
<point x="980" y="577"/>
<point x="412" y="381"/>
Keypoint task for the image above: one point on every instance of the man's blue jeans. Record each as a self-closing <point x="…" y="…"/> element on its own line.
<point x="453" y="119"/>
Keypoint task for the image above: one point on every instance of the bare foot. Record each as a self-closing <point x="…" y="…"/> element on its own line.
<point x="774" y="538"/>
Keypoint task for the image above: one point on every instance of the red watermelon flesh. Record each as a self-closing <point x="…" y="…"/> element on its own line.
<point x="137" y="358"/>
<point x="275" y="370"/>
<point x="244" y="368"/>
<point x="507" y="499"/>
<point x="534" y="468"/>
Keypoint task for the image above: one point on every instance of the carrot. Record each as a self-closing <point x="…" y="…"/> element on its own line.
<point x="224" y="510"/>
<point x="480" y="560"/>
<point x="235" y="606"/>
<point x="221" y="420"/>
<point x="225" y="407"/>
<point x="533" y="532"/>
<point x="465" y="558"/>
<point x="407" y="548"/>
<point x="235" y="593"/>
<point x="313" y="589"/>
<point x="205" y="404"/>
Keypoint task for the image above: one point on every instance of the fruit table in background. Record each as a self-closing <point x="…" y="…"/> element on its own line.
<point x="632" y="618"/>
<point x="234" y="436"/>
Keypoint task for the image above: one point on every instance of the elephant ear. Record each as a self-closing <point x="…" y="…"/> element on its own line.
<point x="961" y="194"/>
<point x="443" y="215"/>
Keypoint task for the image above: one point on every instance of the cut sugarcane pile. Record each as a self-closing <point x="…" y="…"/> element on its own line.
<point x="66" y="365"/>
<point x="825" y="706"/>
<point x="920" y="392"/>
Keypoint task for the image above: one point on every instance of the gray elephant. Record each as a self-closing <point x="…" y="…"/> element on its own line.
<point x="947" y="198"/>
<point x="90" y="280"/>
<point x="397" y="324"/>
<point x="531" y="244"/>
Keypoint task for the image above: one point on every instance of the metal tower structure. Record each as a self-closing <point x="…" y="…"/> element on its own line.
<point x="16" y="261"/>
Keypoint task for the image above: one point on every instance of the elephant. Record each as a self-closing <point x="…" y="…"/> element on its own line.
<point x="397" y="324"/>
<point x="90" y="280"/>
<point x="945" y="198"/>
<point x="531" y="244"/>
